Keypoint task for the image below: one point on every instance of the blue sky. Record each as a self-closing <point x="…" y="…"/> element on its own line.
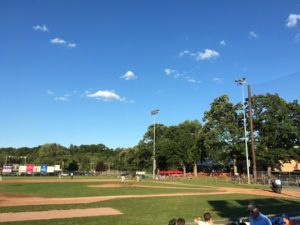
<point x="88" y="72"/>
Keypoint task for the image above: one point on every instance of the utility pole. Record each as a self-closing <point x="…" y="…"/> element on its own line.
<point x="242" y="81"/>
<point x="252" y="134"/>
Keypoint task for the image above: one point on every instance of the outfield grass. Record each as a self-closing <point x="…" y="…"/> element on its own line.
<point x="78" y="189"/>
<point x="81" y="189"/>
<point x="214" y="182"/>
<point x="30" y="177"/>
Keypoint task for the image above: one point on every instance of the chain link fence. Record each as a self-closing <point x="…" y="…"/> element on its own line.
<point x="287" y="179"/>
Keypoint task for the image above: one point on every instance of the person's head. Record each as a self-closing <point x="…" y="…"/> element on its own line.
<point x="285" y="216"/>
<point x="207" y="216"/>
<point x="180" y="221"/>
<point x="253" y="210"/>
<point x="172" y="222"/>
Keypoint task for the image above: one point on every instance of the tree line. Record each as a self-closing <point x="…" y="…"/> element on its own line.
<point x="218" y="140"/>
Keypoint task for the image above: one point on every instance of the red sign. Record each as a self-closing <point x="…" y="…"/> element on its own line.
<point x="168" y="172"/>
<point x="29" y="168"/>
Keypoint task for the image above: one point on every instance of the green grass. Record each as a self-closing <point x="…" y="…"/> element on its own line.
<point x="145" y="211"/>
<point x="149" y="211"/>
<point x="82" y="190"/>
<point x="214" y="181"/>
<point x="29" y="177"/>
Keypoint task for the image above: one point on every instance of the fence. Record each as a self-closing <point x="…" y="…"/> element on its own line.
<point x="287" y="179"/>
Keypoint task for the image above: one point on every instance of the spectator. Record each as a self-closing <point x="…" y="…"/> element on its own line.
<point x="123" y="178"/>
<point x="256" y="217"/>
<point x="180" y="221"/>
<point x="286" y="220"/>
<point x="172" y="222"/>
<point x="207" y="219"/>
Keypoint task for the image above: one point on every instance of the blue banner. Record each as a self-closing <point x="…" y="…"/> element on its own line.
<point x="44" y="168"/>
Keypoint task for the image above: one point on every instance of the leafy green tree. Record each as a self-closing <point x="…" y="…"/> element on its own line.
<point x="51" y="154"/>
<point x="129" y="159"/>
<point x="180" y="143"/>
<point x="100" y="166"/>
<point x="73" y="166"/>
<point x="144" y="149"/>
<point x="193" y="129"/>
<point x="144" y="154"/>
<point x="276" y="125"/>
<point x="223" y="131"/>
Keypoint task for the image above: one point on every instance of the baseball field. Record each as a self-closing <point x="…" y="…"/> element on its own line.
<point x="108" y="201"/>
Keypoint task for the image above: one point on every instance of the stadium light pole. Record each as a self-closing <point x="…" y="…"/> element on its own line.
<point x="242" y="81"/>
<point x="153" y="113"/>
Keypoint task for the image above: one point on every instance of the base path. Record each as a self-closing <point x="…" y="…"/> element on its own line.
<point x="57" y="214"/>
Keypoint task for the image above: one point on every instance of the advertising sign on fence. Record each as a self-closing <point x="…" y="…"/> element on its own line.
<point x="44" y="168"/>
<point x="50" y="169"/>
<point x="57" y="168"/>
<point x="29" y="168"/>
<point x="37" y="169"/>
<point x="22" y="169"/>
<point x="7" y="169"/>
<point x="15" y="167"/>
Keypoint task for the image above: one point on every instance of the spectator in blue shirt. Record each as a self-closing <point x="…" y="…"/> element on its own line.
<point x="256" y="217"/>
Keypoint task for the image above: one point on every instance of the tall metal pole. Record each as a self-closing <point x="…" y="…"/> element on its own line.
<point x="252" y="134"/>
<point x="241" y="82"/>
<point x="154" y="160"/>
<point x="153" y="113"/>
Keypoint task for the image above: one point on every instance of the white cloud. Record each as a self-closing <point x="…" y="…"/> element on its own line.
<point x="72" y="45"/>
<point x="252" y="34"/>
<point x="297" y="37"/>
<point x="169" y="71"/>
<point x="175" y="74"/>
<point x="191" y="80"/>
<point x="65" y="99"/>
<point x="50" y="92"/>
<point x="292" y="20"/>
<point x="129" y="75"/>
<point x="223" y="43"/>
<point x="172" y="72"/>
<point x="57" y="41"/>
<point x="207" y="54"/>
<point x="42" y="28"/>
<point x="204" y="55"/>
<point x="106" y="95"/>
<point x="217" y="80"/>
<point x="183" y="53"/>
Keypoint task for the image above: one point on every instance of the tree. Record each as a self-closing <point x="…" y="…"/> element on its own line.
<point x="144" y="153"/>
<point x="51" y="154"/>
<point x="100" y="166"/>
<point x="223" y="131"/>
<point x="276" y="125"/>
<point x="128" y="159"/>
<point x="177" y="145"/>
<point x="194" y="135"/>
<point x="73" y="166"/>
